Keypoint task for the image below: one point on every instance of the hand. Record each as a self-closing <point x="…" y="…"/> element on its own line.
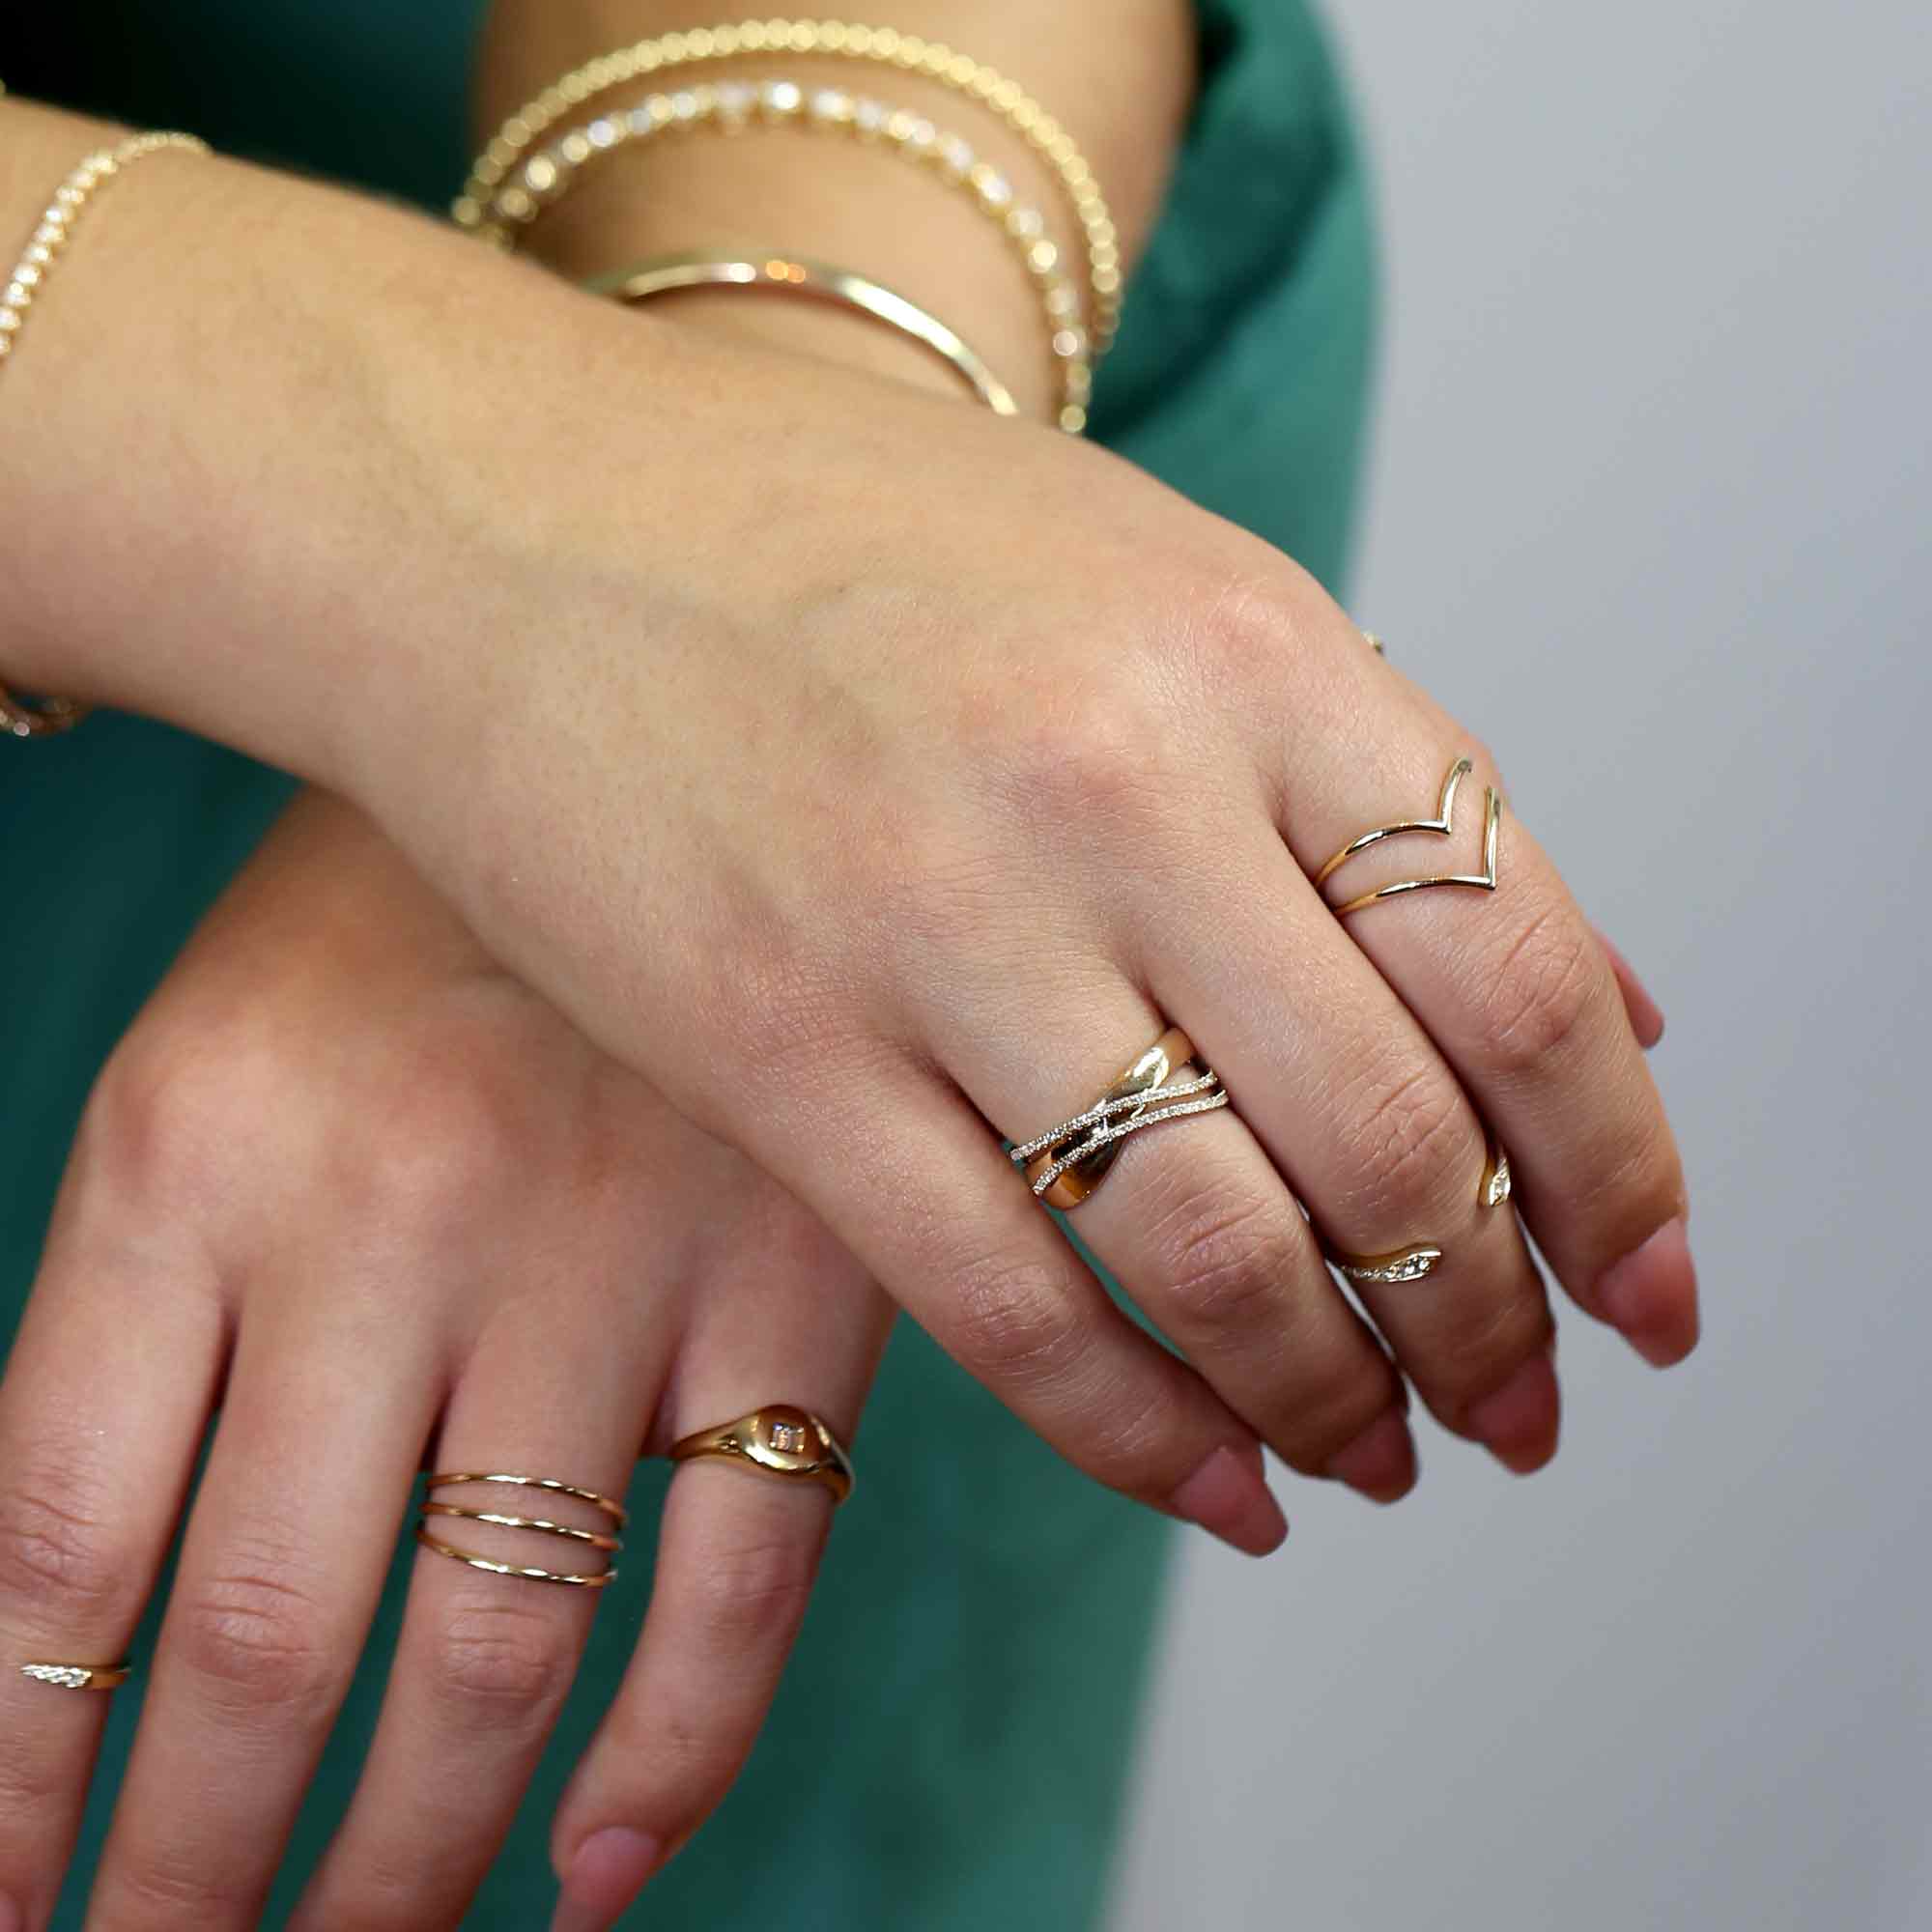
<point x="934" y="768"/>
<point x="347" y="1179"/>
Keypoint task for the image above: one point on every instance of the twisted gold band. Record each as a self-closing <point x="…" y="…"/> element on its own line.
<point x="1067" y="1163"/>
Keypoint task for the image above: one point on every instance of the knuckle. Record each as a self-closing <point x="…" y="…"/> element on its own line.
<point x="754" y="1593"/>
<point x="1227" y="1260"/>
<point x="256" y="1640"/>
<point x="1543" y="990"/>
<point x="56" y="1549"/>
<point x="166" y="1884"/>
<point x="1102" y="764"/>
<point x="1015" y="1321"/>
<point x="499" y="1665"/>
<point x="1405" y="1139"/>
<point x="152" y="1124"/>
<point x="1479" y="1352"/>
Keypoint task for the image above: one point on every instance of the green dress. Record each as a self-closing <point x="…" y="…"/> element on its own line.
<point x="974" y="1662"/>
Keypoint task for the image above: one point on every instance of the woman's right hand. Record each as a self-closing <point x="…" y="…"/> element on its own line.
<point x="928" y="766"/>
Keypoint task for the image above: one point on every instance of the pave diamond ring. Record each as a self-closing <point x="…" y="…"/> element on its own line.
<point x="777" y="1440"/>
<point x="79" y="1676"/>
<point x="1065" y="1165"/>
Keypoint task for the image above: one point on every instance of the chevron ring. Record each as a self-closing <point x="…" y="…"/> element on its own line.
<point x="1443" y="824"/>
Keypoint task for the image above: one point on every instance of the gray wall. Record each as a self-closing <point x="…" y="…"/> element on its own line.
<point x="1651" y="511"/>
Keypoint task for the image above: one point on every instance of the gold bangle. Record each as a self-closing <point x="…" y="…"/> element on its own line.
<point x="884" y="45"/>
<point x="791" y="275"/>
<point x="18" y="719"/>
<point x="731" y="105"/>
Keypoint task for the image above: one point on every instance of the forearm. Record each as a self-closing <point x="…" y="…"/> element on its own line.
<point x="244" y="429"/>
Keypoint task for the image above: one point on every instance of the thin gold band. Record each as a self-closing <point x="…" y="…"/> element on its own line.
<point x="793" y="274"/>
<point x="543" y="1525"/>
<point x="1443" y="825"/>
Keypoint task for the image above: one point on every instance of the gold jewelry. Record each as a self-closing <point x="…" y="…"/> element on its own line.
<point x="1443" y="824"/>
<point x="597" y="1580"/>
<point x="52" y="715"/>
<point x="780" y="1441"/>
<point x="1067" y="1163"/>
<point x="80" y="1676"/>
<point x="791" y="274"/>
<point x="1402" y="1265"/>
<point x="733" y="104"/>
<point x="884" y="45"/>
<point x="1493" y="1189"/>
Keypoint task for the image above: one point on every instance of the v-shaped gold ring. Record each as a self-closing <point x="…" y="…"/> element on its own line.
<point x="1443" y="824"/>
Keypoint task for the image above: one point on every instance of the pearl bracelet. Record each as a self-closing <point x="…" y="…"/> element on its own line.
<point x="50" y="239"/>
<point x="731" y="105"/>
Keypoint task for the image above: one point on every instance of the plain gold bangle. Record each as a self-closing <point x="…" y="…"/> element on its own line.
<point x="793" y="274"/>
<point x="17" y="300"/>
<point x="884" y="45"/>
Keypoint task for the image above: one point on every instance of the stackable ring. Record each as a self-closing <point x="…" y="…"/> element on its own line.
<point x="596" y="1580"/>
<point x="779" y="1440"/>
<point x="1411" y="1263"/>
<point x="1443" y="825"/>
<point x="1067" y="1163"/>
<point x="79" y="1676"/>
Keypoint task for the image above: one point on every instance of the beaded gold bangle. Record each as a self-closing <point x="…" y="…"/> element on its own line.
<point x="886" y="45"/>
<point x="547" y="175"/>
<point x="793" y="274"/>
<point x="58" y="714"/>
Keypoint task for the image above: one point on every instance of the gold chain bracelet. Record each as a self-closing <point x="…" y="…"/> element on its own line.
<point x="58" y="714"/>
<point x="886" y="45"/>
<point x="547" y="176"/>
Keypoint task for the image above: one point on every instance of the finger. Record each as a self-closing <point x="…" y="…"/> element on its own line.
<point x="1517" y="992"/>
<point x="1375" y="1134"/>
<point x="1197" y="1225"/>
<point x="910" y="1175"/>
<point x="484" y="1662"/>
<point x="1646" y="1016"/>
<point x="284" y="1559"/>
<point x="107" y="1393"/>
<point x="738" y="1551"/>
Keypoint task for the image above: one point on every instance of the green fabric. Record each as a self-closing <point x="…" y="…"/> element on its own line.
<point x="971" y="1668"/>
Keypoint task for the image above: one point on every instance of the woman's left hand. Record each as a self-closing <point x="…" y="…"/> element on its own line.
<point x="356" y="1186"/>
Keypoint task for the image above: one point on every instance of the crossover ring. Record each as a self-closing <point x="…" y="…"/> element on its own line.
<point x="1067" y="1163"/>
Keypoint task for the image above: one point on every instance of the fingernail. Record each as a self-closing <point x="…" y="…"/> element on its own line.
<point x="1646" y="1016"/>
<point x="1229" y="1498"/>
<point x="1518" y="1424"/>
<point x="1651" y="1296"/>
<point x="1381" y="1461"/>
<point x="607" y="1874"/>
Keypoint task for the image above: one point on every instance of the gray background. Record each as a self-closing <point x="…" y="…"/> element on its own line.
<point x="1650" y="509"/>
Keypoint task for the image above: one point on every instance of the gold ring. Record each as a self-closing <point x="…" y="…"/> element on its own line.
<point x="1067" y="1163"/>
<point x="1399" y="1265"/>
<point x="1443" y="825"/>
<point x="596" y="1580"/>
<point x="79" y="1676"/>
<point x="780" y="1441"/>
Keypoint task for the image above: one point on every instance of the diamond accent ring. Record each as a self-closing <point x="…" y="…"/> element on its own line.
<point x="79" y="1676"/>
